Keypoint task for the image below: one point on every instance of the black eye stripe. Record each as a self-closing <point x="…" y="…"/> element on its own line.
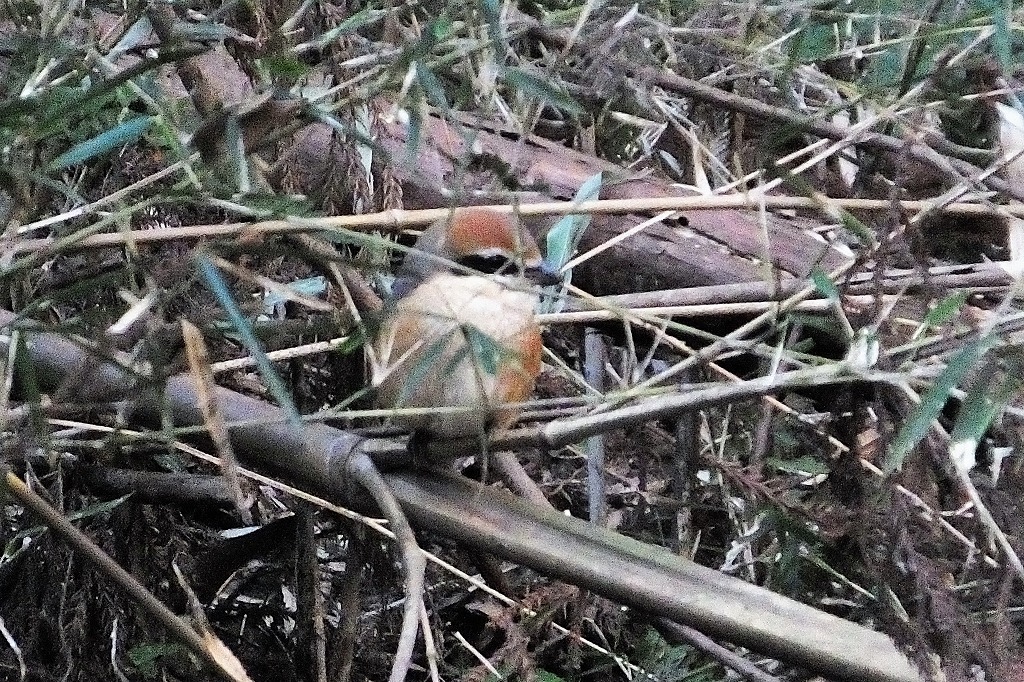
<point x="487" y="264"/>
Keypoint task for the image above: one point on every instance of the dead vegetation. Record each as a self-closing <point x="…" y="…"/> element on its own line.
<point x="788" y="349"/>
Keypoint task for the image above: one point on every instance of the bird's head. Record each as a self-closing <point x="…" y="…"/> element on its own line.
<point x="481" y="240"/>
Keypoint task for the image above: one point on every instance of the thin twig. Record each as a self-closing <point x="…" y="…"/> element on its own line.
<point x="699" y="640"/>
<point x="401" y="219"/>
<point x="594" y="361"/>
<point x="363" y="470"/>
<point x="107" y="566"/>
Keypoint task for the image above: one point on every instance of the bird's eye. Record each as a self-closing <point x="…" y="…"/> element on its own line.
<point x="492" y="264"/>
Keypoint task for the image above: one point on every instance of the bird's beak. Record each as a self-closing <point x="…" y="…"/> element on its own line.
<point x="543" y="274"/>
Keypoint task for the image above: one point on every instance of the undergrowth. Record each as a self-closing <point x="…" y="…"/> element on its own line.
<point x="163" y="163"/>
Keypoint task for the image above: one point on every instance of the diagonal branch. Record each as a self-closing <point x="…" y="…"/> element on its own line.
<point x="205" y="647"/>
<point x="638" y="575"/>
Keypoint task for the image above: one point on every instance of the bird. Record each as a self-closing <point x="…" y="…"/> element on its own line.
<point x="460" y="331"/>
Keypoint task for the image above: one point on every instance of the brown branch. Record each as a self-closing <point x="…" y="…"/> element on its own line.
<point x="309" y="598"/>
<point x="971" y="276"/>
<point x="110" y="568"/>
<point x="344" y="641"/>
<point x="564" y="432"/>
<point x="951" y="166"/>
<point x="403" y="219"/>
<point x="154" y="487"/>
<point x="362" y="469"/>
<point x="636" y="574"/>
<point x="680" y="633"/>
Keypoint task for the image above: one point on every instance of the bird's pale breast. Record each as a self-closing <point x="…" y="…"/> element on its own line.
<point x="458" y="341"/>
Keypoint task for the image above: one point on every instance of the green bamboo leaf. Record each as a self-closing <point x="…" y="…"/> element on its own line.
<point x="934" y="400"/>
<point x="415" y="135"/>
<point x="815" y="41"/>
<point x="824" y="284"/>
<point x="127" y="132"/>
<point x="545" y="90"/>
<point x="146" y="657"/>
<point x="203" y="31"/>
<point x="565" y="235"/>
<point x="138" y="32"/>
<point x="486" y="353"/>
<point x="353" y="342"/>
<point x="285" y="66"/>
<point x="358" y="132"/>
<point x="80" y="289"/>
<point x="946" y="308"/>
<point x="267" y="205"/>
<point x="221" y="292"/>
<point x="428" y="360"/>
<point x="234" y="143"/>
<point x="310" y="286"/>
<point x="491" y="9"/>
<point x="1002" y="39"/>
<point x="545" y="676"/>
<point x="858" y="229"/>
<point x="433" y="33"/>
<point x="562" y="241"/>
<point x="432" y="86"/>
<point x="13" y="547"/>
<point x="805" y="465"/>
<point x="991" y="390"/>
<point x="361" y="18"/>
<point x="437" y="30"/>
<point x="886" y="68"/>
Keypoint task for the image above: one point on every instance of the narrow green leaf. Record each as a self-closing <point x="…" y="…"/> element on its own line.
<point x="861" y="231"/>
<point x="221" y="292"/>
<point x="545" y="676"/>
<point x="104" y="507"/>
<point x="886" y="68"/>
<point x="491" y="9"/>
<point x="361" y="18"/>
<point x="138" y="32"/>
<point x="946" y="308"/>
<point x="559" y="241"/>
<point x="285" y="66"/>
<point x="589" y="190"/>
<point x="78" y="290"/>
<point x="815" y="41"/>
<point x="203" y="31"/>
<point x="363" y="125"/>
<point x="545" y="90"/>
<point x="310" y="286"/>
<point x="267" y="205"/>
<point x="824" y="284"/>
<point x="432" y="86"/>
<point x="427" y="361"/>
<point x="990" y="391"/>
<point x="358" y="132"/>
<point x="564" y="238"/>
<point x="799" y="465"/>
<point x="934" y="400"/>
<point x="565" y="235"/>
<point x="486" y="353"/>
<point x="438" y="29"/>
<point x="415" y="135"/>
<point x="146" y="657"/>
<point x="354" y="342"/>
<point x="235" y="144"/>
<point x="432" y="34"/>
<point x="129" y="131"/>
<point x="1002" y="40"/>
